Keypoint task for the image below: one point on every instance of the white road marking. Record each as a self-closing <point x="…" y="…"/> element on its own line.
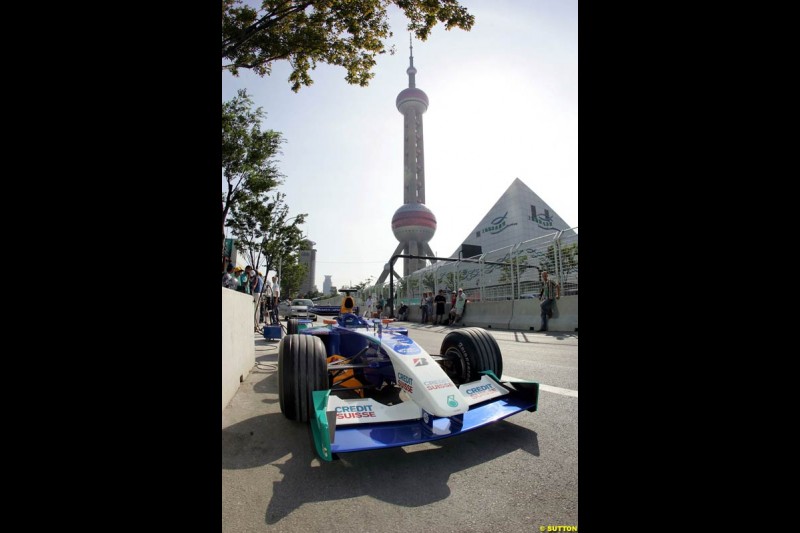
<point x="559" y="390"/>
<point x="548" y="388"/>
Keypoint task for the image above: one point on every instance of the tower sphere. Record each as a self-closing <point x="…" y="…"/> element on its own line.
<point x="412" y="97"/>
<point x="413" y="222"/>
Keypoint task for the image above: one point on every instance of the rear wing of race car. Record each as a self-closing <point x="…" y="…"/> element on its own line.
<point x="404" y="424"/>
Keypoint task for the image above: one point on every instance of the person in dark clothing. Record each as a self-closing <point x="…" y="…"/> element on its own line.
<point x="440" y="301"/>
<point x="551" y="291"/>
<point x="402" y="313"/>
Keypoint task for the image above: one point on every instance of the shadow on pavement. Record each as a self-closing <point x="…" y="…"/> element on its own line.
<point x="528" y="336"/>
<point x="270" y="438"/>
<point x="268" y="385"/>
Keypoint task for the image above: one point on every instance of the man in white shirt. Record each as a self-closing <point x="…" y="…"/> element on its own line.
<point x="276" y="291"/>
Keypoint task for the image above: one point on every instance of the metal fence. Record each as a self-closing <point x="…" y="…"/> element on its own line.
<point x="519" y="276"/>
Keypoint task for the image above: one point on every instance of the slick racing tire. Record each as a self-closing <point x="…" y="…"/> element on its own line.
<point x="292" y="326"/>
<point x="302" y="368"/>
<point x="469" y="351"/>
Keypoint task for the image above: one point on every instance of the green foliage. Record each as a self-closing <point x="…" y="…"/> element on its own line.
<point x="248" y="164"/>
<point x="283" y="239"/>
<point x="292" y="275"/>
<point x="567" y="260"/>
<point x="313" y="293"/>
<point x="347" y="33"/>
<point x="262" y="230"/>
<point x="362" y="284"/>
<point x="402" y="286"/>
<point x="448" y="280"/>
<point x="519" y="266"/>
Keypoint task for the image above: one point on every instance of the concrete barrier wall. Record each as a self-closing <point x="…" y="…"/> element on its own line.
<point x="238" y="346"/>
<point x="488" y="315"/>
<point x="415" y="313"/>
<point x="520" y="315"/>
<point x="527" y="314"/>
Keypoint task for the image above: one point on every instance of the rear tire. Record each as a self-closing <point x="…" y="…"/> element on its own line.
<point x="292" y="326"/>
<point x="469" y="351"/>
<point x="302" y="368"/>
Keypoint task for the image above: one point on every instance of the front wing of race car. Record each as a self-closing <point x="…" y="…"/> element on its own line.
<point x="340" y="425"/>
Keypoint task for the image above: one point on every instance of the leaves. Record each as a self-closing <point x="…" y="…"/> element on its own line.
<point x="248" y="158"/>
<point x="347" y="33"/>
<point x="262" y="230"/>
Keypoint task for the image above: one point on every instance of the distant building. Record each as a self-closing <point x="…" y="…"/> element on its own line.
<point x="308" y="257"/>
<point x="518" y="215"/>
<point x="326" y="285"/>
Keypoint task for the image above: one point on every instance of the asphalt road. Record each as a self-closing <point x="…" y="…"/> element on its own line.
<point x="519" y="474"/>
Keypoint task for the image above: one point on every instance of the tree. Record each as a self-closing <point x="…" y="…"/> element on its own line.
<point x="292" y="275"/>
<point x="248" y="164"/>
<point x="567" y="260"/>
<point x="347" y="33"/>
<point x="429" y="281"/>
<point x="261" y="230"/>
<point x="448" y="280"/>
<point x="282" y="239"/>
<point x="360" y="286"/>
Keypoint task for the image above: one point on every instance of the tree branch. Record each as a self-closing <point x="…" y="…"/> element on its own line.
<point x="231" y="45"/>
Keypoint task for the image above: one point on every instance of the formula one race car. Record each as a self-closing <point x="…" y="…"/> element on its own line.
<point x="363" y="384"/>
<point x="348" y="306"/>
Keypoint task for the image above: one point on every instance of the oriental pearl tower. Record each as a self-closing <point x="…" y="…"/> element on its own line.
<point x="413" y="224"/>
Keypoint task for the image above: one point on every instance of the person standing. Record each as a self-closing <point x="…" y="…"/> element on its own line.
<point x="236" y="283"/>
<point x="244" y="280"/>
<point x="423" y="306"/>
<point x="276" y="291"/>
<point x="461" y="301"/>
<point x="550" y="292"/>
<point x="256" y="287"/>
<point x="269" y="312"/>
<point x="452" y="316"/>
<point x="368" y="307"/>
<point x="228" y="279"/>
<point x="440" y="301"/>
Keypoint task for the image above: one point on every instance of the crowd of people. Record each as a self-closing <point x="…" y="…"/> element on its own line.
<point x="432" y="308"/>
<point x="266" y="294"/>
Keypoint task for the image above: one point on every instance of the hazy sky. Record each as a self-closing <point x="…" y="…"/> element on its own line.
<point x="503" y="104"/>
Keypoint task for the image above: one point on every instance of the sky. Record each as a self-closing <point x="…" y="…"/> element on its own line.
<point x="503" y="104"/>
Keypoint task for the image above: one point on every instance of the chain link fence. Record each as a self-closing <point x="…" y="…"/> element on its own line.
<point x="518" y="276"/>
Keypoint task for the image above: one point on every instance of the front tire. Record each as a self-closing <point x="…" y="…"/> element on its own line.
<point x="302" y="368"/>
<point x="468" y="352"/>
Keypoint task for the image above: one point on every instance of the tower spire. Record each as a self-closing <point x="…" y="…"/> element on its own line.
<point x="411" y="71"/>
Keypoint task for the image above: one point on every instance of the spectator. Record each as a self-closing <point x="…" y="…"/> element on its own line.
<point x="267" y="297"/>
<point x="256" y="287"/>
<point x="551" y="291"/>
<point x="423" y="306"/>
<point x="244" y="280"/>
<point x="276" y="291"/>
<point x="238" y="272"/>
<point x="228" y="280"/>
<point x="402" y="313"/>
<point x="461" y="300"/>
<point x="368" y="307"/>
<point x="440" y="301"/>
<point x="429" y="304"/>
